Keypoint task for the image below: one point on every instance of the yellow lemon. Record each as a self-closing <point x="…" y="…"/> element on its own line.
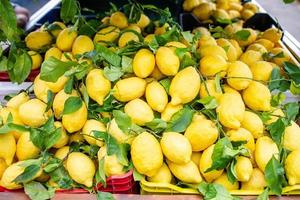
<point x="38" y="40"/>
<point x="211" y="65"/>
<point x="237" y="47"/>
<point x="163" y="175"/>
<point x="228" y="89"/>
<point x="58" y="85"/>
<point x="75" y="121"/>
<point x="40" y="89"/>
<point x="98" y="87"/>
<point x="81" y="168"/>
<point x="188" y="173"/>
<point x="156" y="96"/>
<point x="127" y="37"/>
<point x="53" y="52"/>
<point x="250" y="57"/>
<point x="251" y="38"/>
<point x="59" y="102"/>
<point x="266" y="43"/>
<point x="149" y="38"/>
<point x="292" y="164"/>
<point x="114" y="130"/>
<point x="159" y="30"/>
<point x="275" y="113"/>
<point x="196" y="157"/>
<point x="238" y="69"/>
<point x="204" y="10"/>
<point x="235" y="6"/>
<point x="243" y="169"/>
<point x="257" y="96"/>
<point x="231" y="29"/>
<point x="257" y="47"/>
<point x="220" y="14"/>
<point x="291" y="137"/>
<point x="167" y="61"/>
<point x="3" y="167"/>
<point x="265" y="148"/>
<point x="203" y="31"/>
<point x="201" y="133"/>
<point x="82" y="44"/>
<point x="253" y="124"/>
<point x="261" y="70"/>
<point x="129" y="88"/>
<point x="143" y="63"/>
<point x="64" y="138"/>
<point x="143" y="21"/>
<point x="231" y="52"/>
<point x="283" y="56"/>
<point x="206" y="40"/>
<point x="233" y="14"/>
<point x="206" y="162"/>
<point x="62" y="152"/>
<point x="242" y="134"/>
<point x="208" y="88"/>
<point x="119" y="20"/>
<point x="66" y="38"/>
<point x="144" y="114"/>
<point x="134" y="27"/>
<point x="223" y="180"/>
<point x="17" y="100"/>
<point x="212" y="50"/>
<point x="7" y="147"/>
<point x="108" y="34"/>
<point x="59" y="26"/>
<point x="246" y="14"/>
<point x="76" y="137"/>
<point x="36" y="59"/>
<point x="25" y="148"/>
<point x="4" y="114"/>
<point x="272" y="34"/>
<point x="87" y="131"/>
<point x="169" y="111"/>
<point x="146" y="154"/>
<point x="256" y="182"/>
<point x="184" y="86"/>
<point x="176" y="147"/>
<point x="33" y="113"/>
<point x="189" y="5"/>
<point x="231" y="110"/>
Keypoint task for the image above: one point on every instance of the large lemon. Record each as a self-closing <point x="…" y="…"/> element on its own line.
<point x="62" y="152"/>
<point x="146" y="154"/>
<point x="129" y="88"/>
<point x="176" y="147"/>
<point x="156" y="96"/>
<point x="139" y="111"/>
<point x="256" y="182"/>
<point x="81" y="168"/>
<point x="66" y="38"/>
<point x="242" y="134"/>
<point x="25" y="148"/>
<point x="127" y="37"/>
<point x="272" y="34"/>
<point x="37" y="40"/>
<point x="143" y="21"/>
<point x="189" y="5"/>
<point x="253" y="124"/>
<point x="169" y="111"/>
<point x="114" y="130"/>
<point x="7" y="147"/>
<point x="257" y="47"/>
<point x="119" y="20"/>
<point x="292" y="170"/>
<point x="184" y="86"/>
<point x="243" y="169"/>
<point x="143" y="63"/>
<point x="238" y="75"/>
<point x="212" y="50"/>
<point x="53" y="52"/>
<point x="250" y="57"/>
<point x="167" y="61"/>
<point x="59" y="102"/>
<point x="163" y="175"/>
<point x="261" y="70"/>
<point x="223" y="180"/>
<point x="204" y="10"/>
<point x="87" y="131"/>
<point x="40" y="89"/>
<point x="82" y="44"/>
<point x="17" y="100"/>
<point x="291" y="137"/>
<point x="108" y="34"/>
<point x="211" y="65"/>
<point x="266" y="43"/>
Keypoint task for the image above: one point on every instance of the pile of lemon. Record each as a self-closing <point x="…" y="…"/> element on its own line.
<point x="205" y="10"/>
<point x="168" y="156"/>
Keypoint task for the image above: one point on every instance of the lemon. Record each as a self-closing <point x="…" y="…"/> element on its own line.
<point x="212" y="50"/>
<point x="118" y="134"/>
<point x="196" y="157"/>
<point x="242" y="134"/>
<point x="64" y="138"/>
<point x="279" y="60"/>
<point x="235" y="6"/>
<point x="25" y="148"/>
<point x="156" y="96"/>
<point x="59" y="102"/>
<point x="204" y="10"/>
<point x="252" y="37"/>
<point x="40" y="89"/>
<point x="169" y="111"/>
<point x="257" y="96"/>
<point x="60" y="26"/>
<point x="266" y="43"/>
<point x="134" y="27"/>
<point x="261" y="70"/>
<point x="201" y="133"/>
<point x="149" y="38"/>
<point x="208" y="88"/>
<point x="291" y="137"/>
<point x="37" y="40"/>
<point x="66" y="38"/>
<point x="98" y="87"/>
<point x="36" y="59"/>
<point x="228" y="89"/>
<point x="7" y="147"/>
<point x="163" y="175"/>
<point x="3" y="167"/>
<point x="275" y="113"/>
<point x="231" y="110"/>
<point x="220" y="14"/>
<point x="206" y="162"/>
<point x="87" y="131"/>
<point x="129" y="88"/>
<point x="238" y="69"/>
<point x="144" y="21"/>
<point x="82" y="44"/>
<point x="112" y="166"/>
<point x="58" y="85"/>
<point x="167" y="61"/>
<point x="203" y="31"/>
<point x="108" y="34"/>
<point x="176" y="147"/>
<point x="4" y="114"/>
<point x="127" y="37"/>
<point x="188" y="173"/>
<point x="250" y="57"/>
<point x="231" y="52"/>
<point x="146" y="154"/>
<point x="211" y="65"/>
<point x="253" y="124"/>
<point x="223" y="180"/>
<point x="257" y="47"/>
<point x="243" y="169"/>
<point x="233" y="14"/>
<point x="256" y="182"/>
<point x="81" y="168"/>
<point x="159" y="30"/>
<point x="189" y="5"/>
<point x="291" y="166"/>
<point x="144" y="114"/>
<point x="206" y="40"/>
<point x="62" y="152"/>
<point x="119" y="20"/>
<point x="53" y="52"/>
<point x="33" y="113"/>
<point x="237" y="47"/>
<point x="184" y="86"/>
<point x="272" y="34"/>
<point x="143" y="63"/>
<point x="67" y="56"/>
<point x="265" y="148"/>
<point x="75" y="121"/>
<point x="246" y="14"/>
<point x="233" y="28"/>
<point x="223" y="4"/>
<point x="17" y="100"/>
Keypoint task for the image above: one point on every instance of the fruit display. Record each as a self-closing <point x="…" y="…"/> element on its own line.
<point x="201" y="109"/>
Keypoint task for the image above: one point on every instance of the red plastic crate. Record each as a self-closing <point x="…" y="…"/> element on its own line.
<point x="5" y="77"/>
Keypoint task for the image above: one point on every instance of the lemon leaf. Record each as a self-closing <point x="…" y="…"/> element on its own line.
<point x="36" y="191"/>
<point x="231" y="174"/>
<point x="294" y="88"/>
<point x="166" y="84"/>
<point x="213" y="191"/>
<point x="242" y="35"/>
<point x="108" y="55"/>
<point x="274" y="175"/>
<point x="8" y="21"/>
<point x="28" y="174"/>
<point x="105" y="196"/>
<point x="180" y="120"/>
<point x="277" y="99"/>
<point x="50" y="98"/>
<point x="188" y="36"/>
<point x="137" y="176"/>
<point x="291" y="110"/>
<point x="113" y="73"/>
<point x="123" y="120"/>
<point x="157" y="125"/>
<point x="264" y="195"/>
<point x="72" y="104"/>
<point x="208" y="102"/>
<point x="277" y="81"/>
<point x="292" y="71"/>
<point x="69" y="9"/>
<point x="61" y="177"/>
<point x="100" y="175"/>
<point x="69" y="85"/>
<point x="126" y="64"/>
<point x="276" y="130"/>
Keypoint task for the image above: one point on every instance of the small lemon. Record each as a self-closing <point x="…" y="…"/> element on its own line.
<point x="64" y="138"/>
<point x="82" y="44"/>
<point x="188" y="173"/>
<point x="291" y="166"/>
<point x="58" y="85"/>
<point x="206" y="162"/>
<point x="250" y="57"/>
<point x="3" y="167"/>
<point x="169" y="111"/>
<point x="81" y="168"/>
<point x="25" y="148"/>
<point x="233" y="14"/>
<point x="53" y="52"/>
<point x="66" y="38"/>
<point x="114" y="130"/>
<point x="167" y="61"/>
<point x="129" y="88"/>
<point x="261" y="70"/>
<point x="143" y="63"/>
<point x="146" y="154"/>
<point x="17" y="100"/>
<point x="149" y="38"/>
<point x="253" y="124"/>
<point x="156" y="96"/>
<point x="87" y="131"/>
<point x="203" y="31"/>
<point x="97" y="85"/>
<point x="247" y="14"/>
<point x="243" y="169"/>
<point x="257" y="96"/>
<point x="235" y="6"/>
<point x="220" y="14"/>
<point x="223" y="180"/>
<point x="108" y="34"/>
<point x="211" y="65"/>
<point x="143" y="21"/>
<point x="239" y="69"/>
<point x="196" y="157"/>
<point x="209" y="88"/>
<point x="163" y="175"/>
<point x="212" y="50"/>
<point x="184" y="86"/>
<point x="291" y="137"/>
<point x="159" y="30"/>
<point x="231" y="29"/>
<point x="36" y="59"/>
<point x="256" y="182"/>
<point x="7" y="147"/>
<point x="144" y="114"/>
<point x="59" y="102"/>
<point x="119" y="20"/>
<point x="242" y="134"/>
<point x="37" y="40"/>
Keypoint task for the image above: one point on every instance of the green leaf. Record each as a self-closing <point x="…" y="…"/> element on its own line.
<point x="52" y="69"/>
<point x="276" y="130"/>
<point x="277" y="81"/>
<point x="126" y="64"/>
<point x="157" y="125"/>
<point x="288" y="1"/>
<point x="69" y="85"/>
<point x="62" y="178"/>
<point x="113" y="73"/>
<point x="213" y="191"/>
<point x="36" y="191"/>
<point x="8" y="127"/>
<point x="209" y="102"/>
<point x="242" y="35"/>
<point x="188" y="36"/>
<point x="123" y="121"/>
<point x="8" y="21"/>
<point x="28" y="175"/>
<point x="101" y="178"/>
<point x="291" y="110"/>
<point x="69" y="9"/>
<point x="85" y="94"/>
<point x="137" y="176"/>
<point x="3" y="64"/>
<point x="166" y="84"/>
<point x="231" y="174"/>
<point x="264" y="195"/>
<point x="53" y="138"/>
<point x="292" y="71"/>
<point x="180" y="120"/>
<point x="50" y="98"/>
<point x="186" y="61"/>
<point x="72" y="104"/>
<point x="277" y="99"/>
<point x="274" y="175"/>
<point x="105" y="196"/>
<point x="110" y="56"/>
<point x="180" y="52"/>
<point x="21" y="68"/>
<point x="294" y="88"/>
<point x="224" y="21"/>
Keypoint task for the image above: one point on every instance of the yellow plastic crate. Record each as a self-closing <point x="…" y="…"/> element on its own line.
<point x="167" y="188"/>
